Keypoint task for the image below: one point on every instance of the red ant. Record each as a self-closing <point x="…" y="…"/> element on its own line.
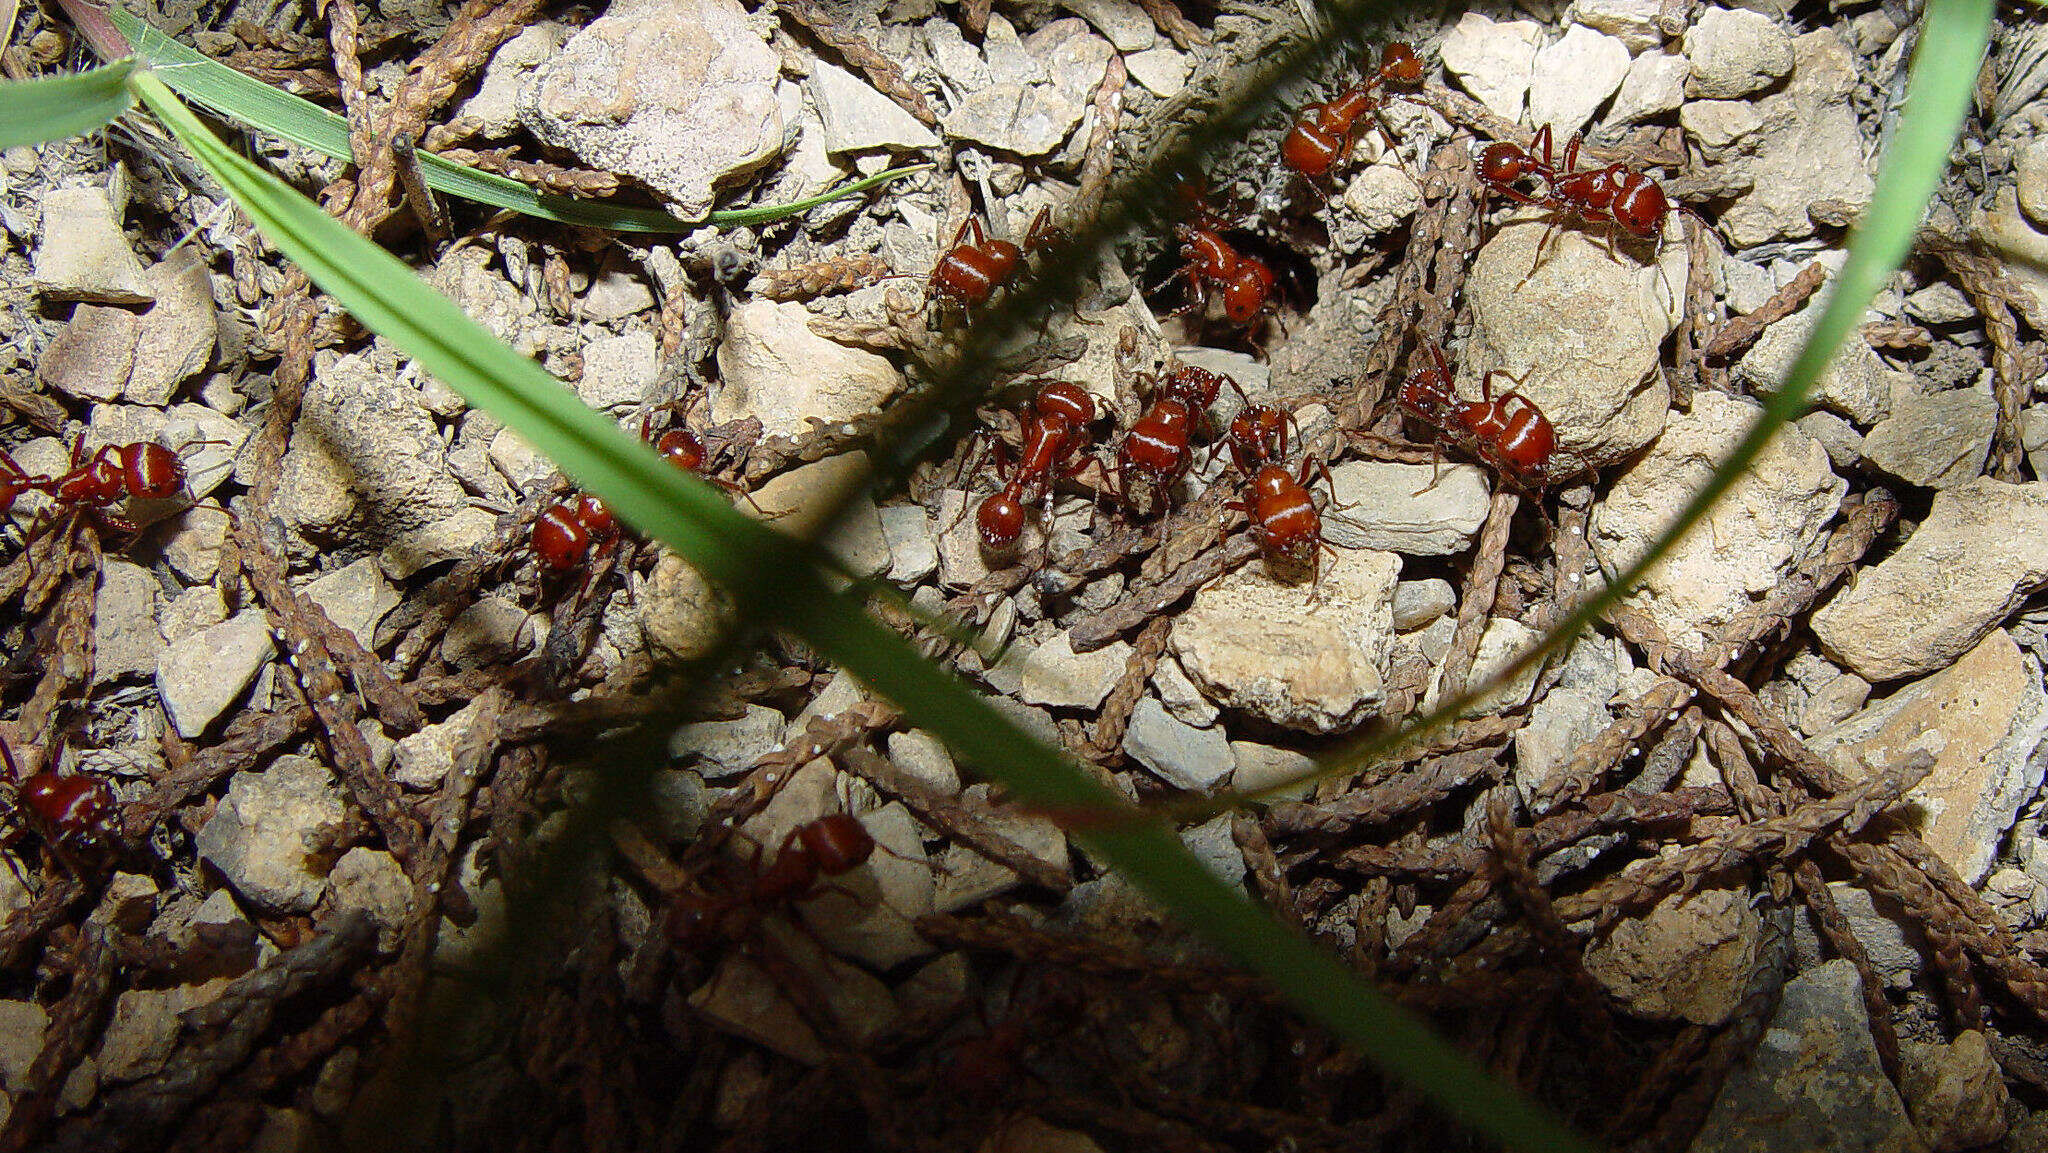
<point x="1054" y="433"/>
<point x="1246" y="282"/>
<point x="830" y="846"/>
<point x="69" y="811"/>
<point x="1282" y="511"/>
<point x="1323" y="132"/>
<point x="565" y="535"/>
<point x="1506" y="431"/>
<point x="976" y="266"/>
<point x="143" y="470"/>
<point x="1156" y="447"/>
<point x="1616" y="193"/>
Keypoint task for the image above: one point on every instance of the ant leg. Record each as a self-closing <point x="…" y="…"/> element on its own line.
<point x="1540" y="246"/>
<point x="1436" y="468"/>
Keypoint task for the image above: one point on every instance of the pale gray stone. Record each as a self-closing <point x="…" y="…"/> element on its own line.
<point x="1493" y="60"/>
<point x="2031" y="180"/>
<point x="795" y="503"/>
<point x="1855" y="382"/>
<point x="1760" y="528"/>
<point x="2002" y="227"/>
<point x="1502" y="643"/>
<point x="1687" y="959"/>
<point x="192" y="611"/>
<point x="21" y="1038"/>
<point x="523" y="465"/>
<point x="1654" y="86"/>
<point x="125" y="641"/>
<point x="1805" y="148"/>
<point x="1735" y="53"/>
<point x="1042" y="85"/>
<point x="616" y="293"/>
<point x="1583" y="336"/>
<point x="1633" y="22"/>
<point x="743" y="1000"/>
<point x="422" y="760"/>
<point x="1213" y="845"/>
<point x="200" y="675"/>
<point x="83" y="254"/>
<point x="1935" y="440"/>
<point x="194" y="545"/>
<point x="92" y="356"/>
<point x="1814" y="1082"/>
<point x="1314" y="667"/>
<point x="144" y="1028"/>
<point x="355" y="596"/>
<point x="913" y="550"/>
<point x="1123" y="22"/>
<point x="772" y="366"/>
<point x="496" y="103"/>
<point x="925" y="759"/>
<point x="1573" y="712"/>
<point x="619" y="371"/>
<point x="679" y="96"/>
<point x="1382" y="196"/>
<point x="1262" y="767"/>
<point x="1983" y="718"/>
<point x="1398" y="509"/>
<point x="1055" y="676"/>
<point x="1573" y="77"/>
<point x="452" y="537"/>
<point x="1418" y="602"/>
<point x="491" y="631"/>
<point x="175" y="338"/>
<point x="857" y="118"/>
<point x="1162" y="71"/>
<point x="1955" y="1092"/>
<point x="725" y="748"/>
<point x="371" y="882"/>
<point x="1940" y="303"/>
<point x="1917" y="610"/>
<point x="263" y="835"/>
<point x="1175" y="752"/>
<point x="1181" y="696"/>
<point x="966" y="878"/>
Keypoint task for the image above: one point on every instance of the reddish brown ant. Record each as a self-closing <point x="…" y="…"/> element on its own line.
<point x="1157" y="445"/>
<point x="1257" y="435"/>
<point x="829" y="846"/>
<point x="1245" y="280"/>
<point x="1614" y="194"/>
<point x="565" y="535"/>
<point x="1323" y="133"/>
<point x="1506" y="431"/>
<point x="1281" y="508"/>
<point x="976" y="265"/>
<point x="69" y="811"/>
<point x="1054" y="432"/>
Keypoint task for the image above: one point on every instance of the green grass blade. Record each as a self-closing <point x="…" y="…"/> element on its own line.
<point x="278" y="113"/>
<point x="60" y="107"/>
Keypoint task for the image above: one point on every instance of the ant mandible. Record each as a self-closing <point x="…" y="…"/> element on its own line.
<point x="1054" y="432"/>
<point x="1506" y="431"/>
<point x="1324" y="132"/>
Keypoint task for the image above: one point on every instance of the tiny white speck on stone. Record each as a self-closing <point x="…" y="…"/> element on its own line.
<point x="846" y="430"/>
<point x="1633" y="751"/>
<point x="1576" y="578"/>
<point x="1673" y="716"/>
<point x="773" y="777"/>
<point x="433" y="886"/>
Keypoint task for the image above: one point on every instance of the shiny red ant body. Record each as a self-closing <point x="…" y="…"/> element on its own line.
<point x="829" y="846"/>
<point x="1283" y="512"/>
<point x="1616" y="193"/>
<point x="69" y="811"/>
<point x="1506" y="431"/>
<point x="565" y="534"/>
<point x="1245" y="280"/>
<point x="143" y="470"/>
<point x="1054" y="433"/>
<point x="975" y="266"/>
<point x="1323" y="133"/>
<point x="1157" y="445"/>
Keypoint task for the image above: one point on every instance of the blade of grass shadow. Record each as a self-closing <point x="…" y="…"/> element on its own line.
<point x="1938" y="96"/>
<point x="275" y="112"/>
<point x="60" y="107"/>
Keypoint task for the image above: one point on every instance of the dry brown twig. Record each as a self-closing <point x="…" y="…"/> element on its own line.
<point x="855" y="50"/>
<point x="1735" y="337"/>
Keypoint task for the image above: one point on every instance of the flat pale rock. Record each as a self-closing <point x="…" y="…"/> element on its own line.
<point x="83" y="254"/>
<point x="1175" y="751"/>
<point x="1687" y="959"/>
<point x="1317" y="668"/>
<point x="773" y="367"/>
<point x="1412" y="509"/>
<point x="199" y="676"/>
<point x="1493" y="60"/>
<point x="1735" y="52"/>
<point x="264" y="833"/>
<point x="1982" y="718"/>
<point x="1573" y="77"/>
<point x="1921" y="608"/>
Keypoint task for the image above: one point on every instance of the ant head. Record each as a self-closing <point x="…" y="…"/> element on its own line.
<point x="681" y="448"/>
<point x="595" y="517"/>
<point x="1196" y="385"/>
<point x="838" y="842"/>
<point x="1504" y="162"/>
<point x="1001" y="520"/>
<point x="1639" y="205"/>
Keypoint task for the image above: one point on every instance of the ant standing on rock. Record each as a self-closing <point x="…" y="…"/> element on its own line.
<point x="1615" y="194"/>
<point x="975" y="266"/>
<point x="1506" y="431"/>
<point x="69" y="812"/>
<point x="1055" y="431"/>
<point x="1282" y="510"/>
<point x="1323" y="133"/>
<point x="830" y="846"/>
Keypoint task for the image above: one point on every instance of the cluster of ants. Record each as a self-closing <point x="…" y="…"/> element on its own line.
<point x="1503" y="429"/>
